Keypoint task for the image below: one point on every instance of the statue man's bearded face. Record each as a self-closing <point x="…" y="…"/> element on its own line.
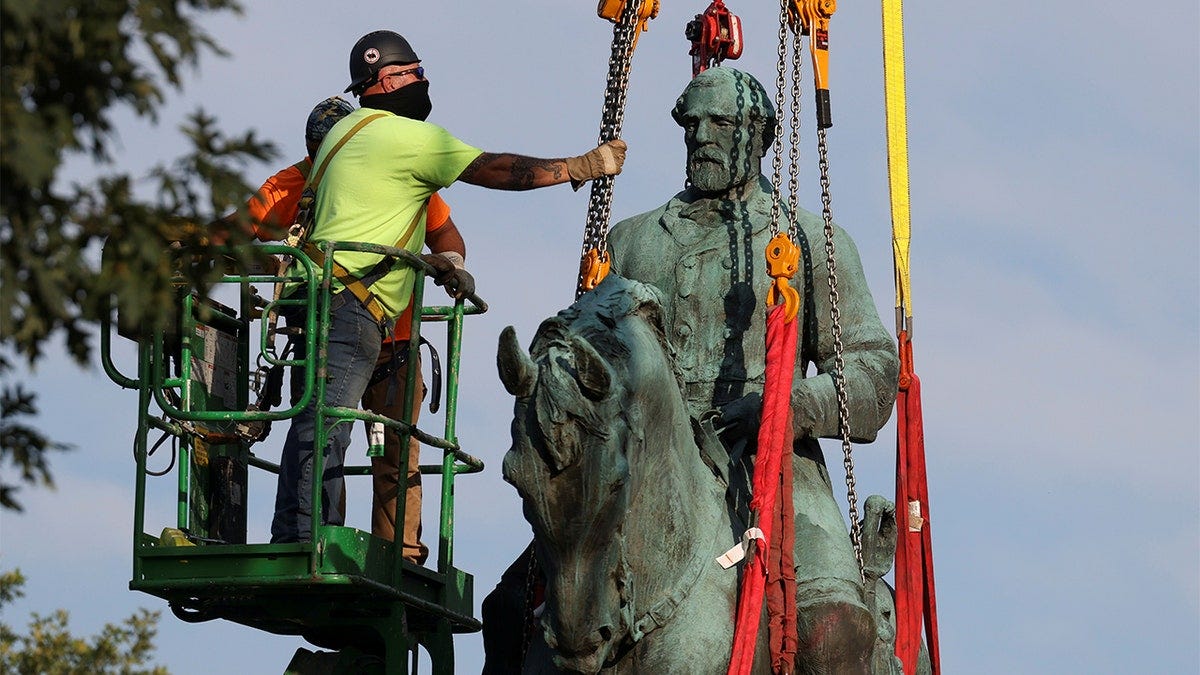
<point x="725" y="146"/>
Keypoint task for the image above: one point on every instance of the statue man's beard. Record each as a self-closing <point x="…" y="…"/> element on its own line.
<point x="712" y="175"/>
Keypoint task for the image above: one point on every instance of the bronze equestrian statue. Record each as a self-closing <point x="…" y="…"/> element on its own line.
<point x="703" y="252"/>
<point x="624" y="491"/>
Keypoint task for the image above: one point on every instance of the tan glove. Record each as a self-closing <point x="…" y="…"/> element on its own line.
<point x="457" y="281"/>
<point x="605" y="160"/>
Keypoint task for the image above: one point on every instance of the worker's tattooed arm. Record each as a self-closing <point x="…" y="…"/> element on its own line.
<point x="506" y="171"/>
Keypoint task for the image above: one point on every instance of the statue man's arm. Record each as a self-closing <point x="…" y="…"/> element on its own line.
<point x="869" y="352"/>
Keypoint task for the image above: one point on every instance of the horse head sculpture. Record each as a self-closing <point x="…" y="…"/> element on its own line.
<point x="627" y="513"/>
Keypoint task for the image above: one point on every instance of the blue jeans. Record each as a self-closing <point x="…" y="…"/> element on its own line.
<point x="354" y="340"/>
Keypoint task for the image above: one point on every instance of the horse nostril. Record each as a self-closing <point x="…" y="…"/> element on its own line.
<point x="605" y="633"/>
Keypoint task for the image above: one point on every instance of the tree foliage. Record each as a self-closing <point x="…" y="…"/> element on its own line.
<point x="66" y="68"/>
<point x="48" y="648"/>
<point x="25" y="447"/>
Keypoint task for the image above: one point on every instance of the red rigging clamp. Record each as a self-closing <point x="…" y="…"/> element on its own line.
<point x="716" y="35"/>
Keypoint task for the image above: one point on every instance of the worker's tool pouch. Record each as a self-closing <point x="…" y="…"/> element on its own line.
<point x="272" y="391"/>
<point x="399" y="359"/>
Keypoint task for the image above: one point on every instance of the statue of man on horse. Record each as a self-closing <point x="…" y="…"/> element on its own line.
<point x="703" y="253"/>
<point x="703" y="250"/>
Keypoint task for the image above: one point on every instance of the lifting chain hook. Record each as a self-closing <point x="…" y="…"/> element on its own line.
<point x="593" y="268"/>
<point x="783" y="259"/>
<point x="630" y="17"/>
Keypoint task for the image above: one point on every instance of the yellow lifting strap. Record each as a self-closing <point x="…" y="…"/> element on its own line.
<point x="897" y="143"/>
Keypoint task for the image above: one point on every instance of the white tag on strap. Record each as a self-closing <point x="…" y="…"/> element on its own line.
<point x="735" y="555"/>
<point x="915" y="521"/>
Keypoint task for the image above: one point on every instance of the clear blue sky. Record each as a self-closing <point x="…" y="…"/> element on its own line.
<point x="1055" y="170"/>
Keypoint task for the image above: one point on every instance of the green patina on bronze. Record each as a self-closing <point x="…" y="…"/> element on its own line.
<point x="636" y="420"/>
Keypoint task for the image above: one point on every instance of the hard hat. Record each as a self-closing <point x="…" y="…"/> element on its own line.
<point x="323" y="117"/>
<point x="374" y="51"/>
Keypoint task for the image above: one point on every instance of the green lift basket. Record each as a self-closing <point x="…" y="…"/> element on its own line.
<point x="344" y="590"/>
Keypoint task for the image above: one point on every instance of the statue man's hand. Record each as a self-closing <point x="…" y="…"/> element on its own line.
<point x="741" y="417"/>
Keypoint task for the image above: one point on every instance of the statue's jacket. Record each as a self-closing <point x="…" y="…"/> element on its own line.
<point x="706" y="257"/>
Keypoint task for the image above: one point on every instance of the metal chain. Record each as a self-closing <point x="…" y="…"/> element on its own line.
<point x="839" y="360"/>
<point x="777" y="144"/>
<point x="793" y="227"/>
<point x="794" y="182"/>
<point x="612" y="117"/>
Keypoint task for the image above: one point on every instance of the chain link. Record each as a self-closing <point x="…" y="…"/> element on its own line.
<point x="839" y="361"/>
<point x="595" y="232"/>
<point x="794" y="171"/>
<point x="777" y="144"/>
<point x="830" y="253"/>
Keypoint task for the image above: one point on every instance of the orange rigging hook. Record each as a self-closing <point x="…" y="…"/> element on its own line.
<point x="593" y="268"/>
<point x="783" y="259"/>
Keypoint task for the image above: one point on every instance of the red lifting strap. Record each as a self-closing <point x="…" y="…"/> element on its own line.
<point x="915" y="597"/>
<point x="781" y="578"/>
<point x="771" y="465"/>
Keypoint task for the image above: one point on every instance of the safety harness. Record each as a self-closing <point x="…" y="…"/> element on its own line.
<point x="358" y="285"/>
<point x="270" y="378"/>
<point x="398" y="360"/>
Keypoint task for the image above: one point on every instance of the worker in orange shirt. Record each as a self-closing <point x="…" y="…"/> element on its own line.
<point x="385" y="393"/>
<point x="272" y="210"/>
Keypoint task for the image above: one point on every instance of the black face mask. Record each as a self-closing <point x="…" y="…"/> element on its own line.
<point x="411" y="101"/>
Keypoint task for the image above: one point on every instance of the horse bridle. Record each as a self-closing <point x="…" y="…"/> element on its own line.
<point x="663" y="610"/>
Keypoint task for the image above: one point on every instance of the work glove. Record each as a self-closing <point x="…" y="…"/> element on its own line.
<point x="457" y="281"/>
<point x="605" y="160"/>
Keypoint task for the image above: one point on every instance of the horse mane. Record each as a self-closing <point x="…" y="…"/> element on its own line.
<point x="614" y="299"/>
<point x="564" y="413"/>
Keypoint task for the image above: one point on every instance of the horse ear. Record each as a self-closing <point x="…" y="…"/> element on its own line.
<point x="517" y="370"/>
<point x="595" y="379"/>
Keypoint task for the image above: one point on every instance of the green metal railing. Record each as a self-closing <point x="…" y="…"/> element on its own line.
<point x="190" y="416"/>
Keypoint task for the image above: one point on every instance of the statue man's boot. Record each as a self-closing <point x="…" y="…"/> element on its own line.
<point x="836" y="638"/>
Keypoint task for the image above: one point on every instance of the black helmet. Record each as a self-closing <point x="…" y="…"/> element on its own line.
<point x="374" y="51"/>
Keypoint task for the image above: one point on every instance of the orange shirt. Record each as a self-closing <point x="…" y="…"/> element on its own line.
<point x="435" y="217"/>
<point x="274" y="207"/>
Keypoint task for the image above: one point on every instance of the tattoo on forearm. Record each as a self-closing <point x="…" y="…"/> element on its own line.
<point x="521" y="173"/>
<point x="516" y="172"/>
<point x="468" y="173"/>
